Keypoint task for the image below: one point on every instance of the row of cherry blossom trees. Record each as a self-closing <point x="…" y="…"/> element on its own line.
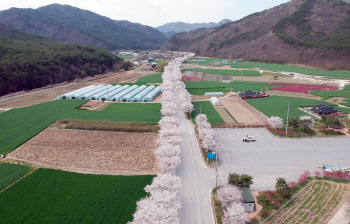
<point x="232" y="202"/>
<point x="205" y="132"/>
<point x="163" y="203"/>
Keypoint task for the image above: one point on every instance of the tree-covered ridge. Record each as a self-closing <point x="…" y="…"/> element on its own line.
<point x="68" y="24"/>
<point x="26" y="64"/>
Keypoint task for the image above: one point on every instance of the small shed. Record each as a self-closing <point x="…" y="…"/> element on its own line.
<point x="249" y="94"/>
<point x="248" y="199"/>
<point x="215" y="101"/>
<point x="214" y="94"/>
<point x="322" y="109"/>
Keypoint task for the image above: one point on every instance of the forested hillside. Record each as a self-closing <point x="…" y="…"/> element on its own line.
<point x="314" y="33"/>
<point x="29" y="61"/>
<point x="68" y="24"/>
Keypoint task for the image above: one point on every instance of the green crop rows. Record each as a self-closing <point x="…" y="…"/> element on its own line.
<point x="339" y="93"/>
<point x="225" y="72"/>
<point x="19" y="125"/>
<point x="201" y="87"/>
<point x="208" y="109"/>
<point x="206" y="62"/>
<point x="53" y="196"/>
<point x="156" y="78"/>
<point x="277" y="106"/>
<point x="9" y="173"/>
<point x="289" y="68"/>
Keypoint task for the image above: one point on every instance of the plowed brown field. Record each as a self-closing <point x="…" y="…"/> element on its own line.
<point x="96" y="152"/>
<point x="243" y="112"/>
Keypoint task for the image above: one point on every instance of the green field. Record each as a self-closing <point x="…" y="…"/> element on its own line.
<point x="201" y="87"/>
<point x="345" y="92"/>
<point x="208" y="109"/>
<point x="53" y="196"/>
<point x="206" y="62"/>
<point x="156" y="78"/>
<point x="128" y="57"/>
<point x="277" y="106"/>
<point x="225" y="72"/>
<point x="10" y="173"/>
<point x="289" y="68"/>
<point x="19" y="125"/>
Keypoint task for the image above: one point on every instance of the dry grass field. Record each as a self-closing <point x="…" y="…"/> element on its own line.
<point x="224" y="115"/>
<point x="243" y="112"/>
<point x="95" y="152"/>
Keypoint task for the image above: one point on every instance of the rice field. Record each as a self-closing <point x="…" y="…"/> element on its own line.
<point x="277" y="106"/>
<point x="10" y="173"/>
<point x="225" y="72"/>
<point x="54" y="196"/>
<point x="17" y="128"/>
<point x="208" y="109"/>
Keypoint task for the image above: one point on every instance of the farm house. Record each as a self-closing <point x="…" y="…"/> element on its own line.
<point x="142" y="94"/>
<point x="104" y="92"/>
<point x="127" y="97"/>
<point x="123" y="93"/>
<point x="114" y="92"/>
<point x="248" y="199"/>
<point x="215" y="101"/>
<point x="322" y="109"/>
<point x="249" y="94"/>
<point x="67" y="95"/>
<point x="152" y="95"/>
<point x="87" y="95"/>
<point x="82" y="92"/>
<point x="214" y="94"/>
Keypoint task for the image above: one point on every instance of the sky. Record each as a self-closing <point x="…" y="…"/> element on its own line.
<point x="159" y="12"/>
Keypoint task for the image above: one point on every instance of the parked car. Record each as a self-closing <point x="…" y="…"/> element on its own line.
<point x="250" y="138"/>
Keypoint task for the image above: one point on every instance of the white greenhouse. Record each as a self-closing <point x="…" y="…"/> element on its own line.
<point x="142" y="94"/>
<point x="128" y="96"/>
<point x="82" y="92"/>
<point x="215" y="101"/>
<point x="123" y="93"/>
<point x="88" y="94"/>
<point x="152" y="95"/>
<point x="96" y="96"/>
<point x="114" y="92"/>
<point x="214" y="94"/>
<point x="67" y="95"/>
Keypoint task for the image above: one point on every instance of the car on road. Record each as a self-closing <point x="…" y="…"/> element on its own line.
<point x="250" y="138"/>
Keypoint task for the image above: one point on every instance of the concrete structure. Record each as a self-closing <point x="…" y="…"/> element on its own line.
<point x="248" y="199"/>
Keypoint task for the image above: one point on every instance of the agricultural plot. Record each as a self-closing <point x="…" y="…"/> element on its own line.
<point x="95" y="152"/>
<point x="208" y="109"/>
<point x="205" y="62"/>
<point x="156" y="78"/>
<point x="277" y="106"/>
<point x="190" y="78"/>
<point x="314" y="205"/>
<point x="225" y="115"/>
<point x="53" y="196"/>
<point x="289" y="68"/>
<point x="345" y="92"/>
<point x="200" y="87"/>
<point x="19" y="125"/>
<point x="303" y="88"/>
<point x="10" y="173"/>
<point x="225" y="72"/>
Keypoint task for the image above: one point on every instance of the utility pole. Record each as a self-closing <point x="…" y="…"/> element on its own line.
<point x="287" y="119"/>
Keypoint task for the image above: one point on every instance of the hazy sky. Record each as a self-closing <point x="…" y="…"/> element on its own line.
<point x="158" y="12"/>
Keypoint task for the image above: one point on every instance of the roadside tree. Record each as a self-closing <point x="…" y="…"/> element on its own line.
<point x="275" y="122"/>
<point x="282" y="188"/>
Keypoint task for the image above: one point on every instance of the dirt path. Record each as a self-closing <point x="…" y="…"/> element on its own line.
<point x="269" y="79"/>
<point x="243" y="112"/>
<point x="50" y="94"/>
<point x="19" y="180"/>
<point x="224" y="115"/>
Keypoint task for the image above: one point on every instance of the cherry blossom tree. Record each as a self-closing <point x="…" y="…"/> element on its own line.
<point x="307" y="121"/>
<point x="169" y="163"/>
<point x="275" y="122"/>
<point x="228" y="195"/>
<point x="168" y="122"/>
<point x="235" y="214"/>
<point x="168" y="109"/>
<point x="165" y="182"/>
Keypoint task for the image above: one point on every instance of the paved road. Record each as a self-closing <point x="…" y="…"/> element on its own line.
<point x="270" y="157"/>
<point x="197" y="179"/>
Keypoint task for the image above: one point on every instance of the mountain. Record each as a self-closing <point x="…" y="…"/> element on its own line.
<point x="178" y="27"/>
<point x="29" y="61"/>
<point x="169" y="34"/>
<point x="315" y="33"/>
<point x="68" y="24"/>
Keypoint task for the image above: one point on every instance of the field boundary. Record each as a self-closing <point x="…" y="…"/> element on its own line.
<point x="19" y="179"/>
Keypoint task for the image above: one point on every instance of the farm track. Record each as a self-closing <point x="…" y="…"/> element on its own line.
<point x="224" y="115"/>
<point x="243" y="112"/>
<point x="19" y="180"/>
<point x="33" y="98"/>
<point x="94" y="152"/>
<point x="317" y="204"/>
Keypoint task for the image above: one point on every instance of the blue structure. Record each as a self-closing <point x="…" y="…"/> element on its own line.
<point x="67" y="95"/>
<point x="152" y="95"/>
<point x="127" y="97"/>
<point x="80" y="93"/>
<point x="88" y="94"/>
<point x="106" y="91"/>
<point x="123" y="93"/>
<point x="210" y="155"/>
<point x="142" y="94"/>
